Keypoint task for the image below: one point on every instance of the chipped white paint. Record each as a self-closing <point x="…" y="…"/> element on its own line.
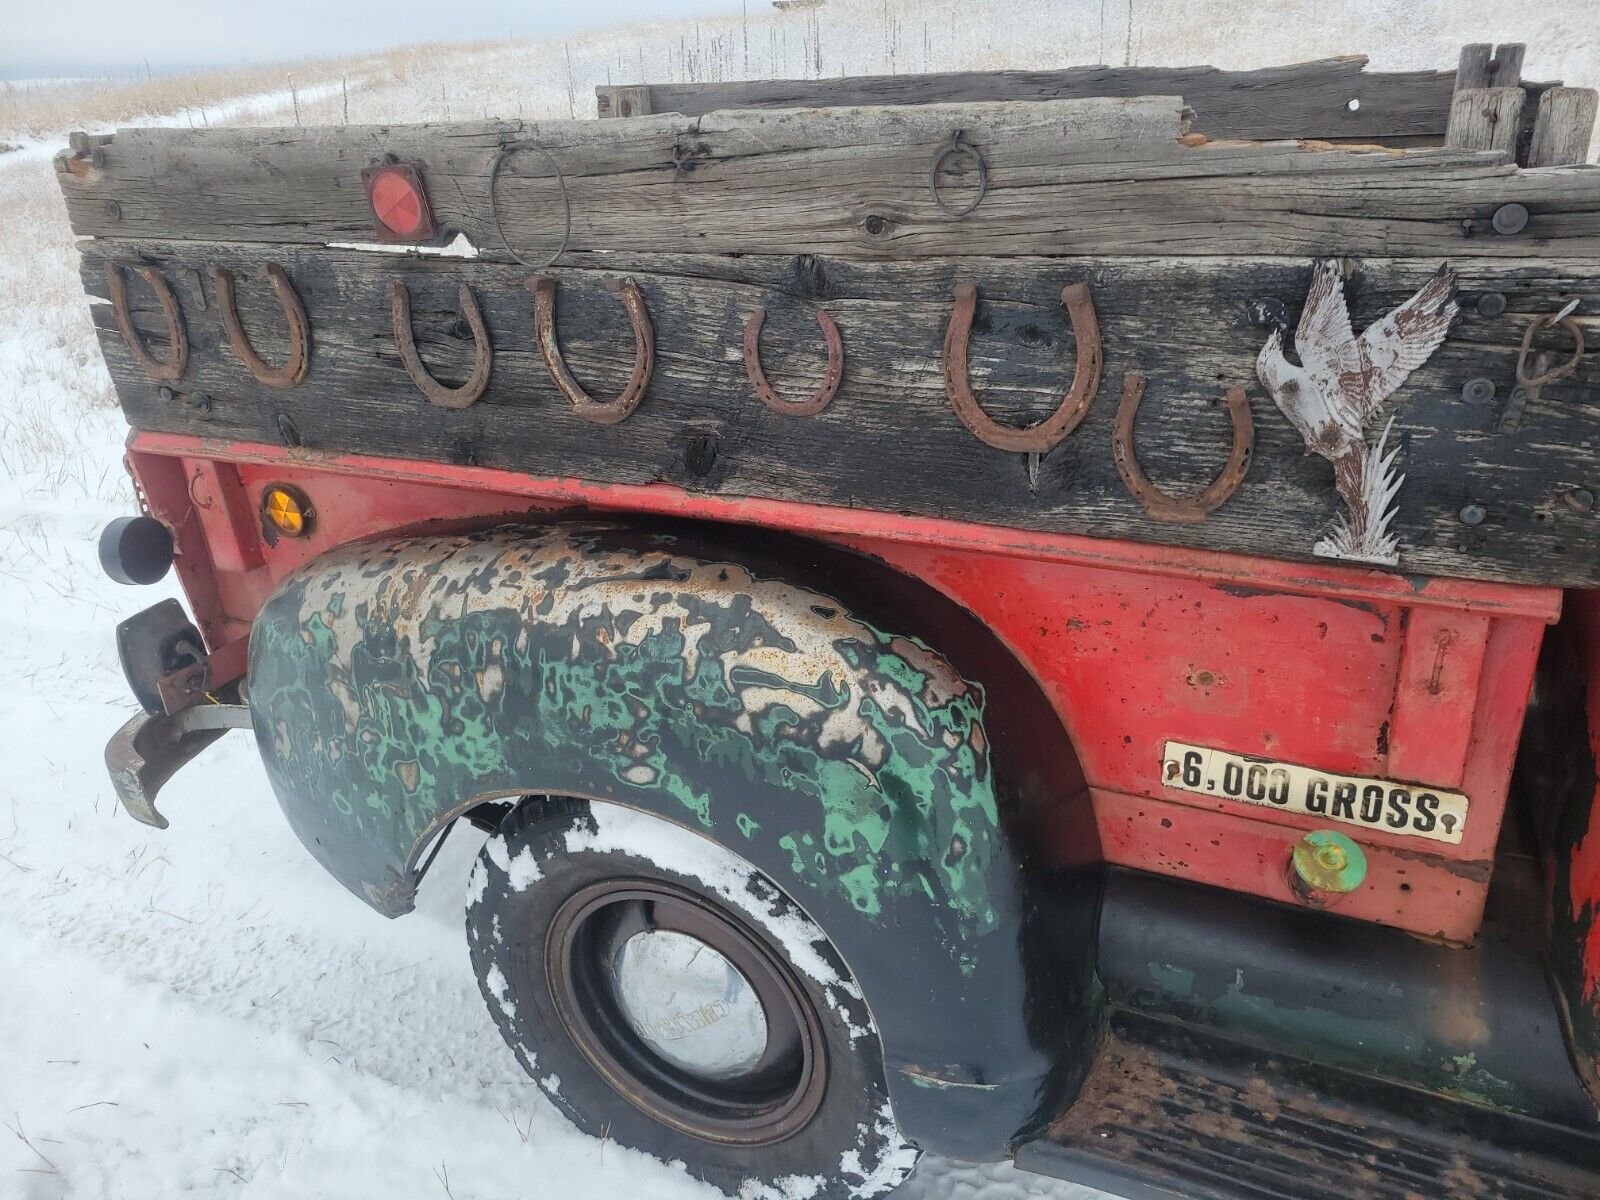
<point x="1341" y="386"/>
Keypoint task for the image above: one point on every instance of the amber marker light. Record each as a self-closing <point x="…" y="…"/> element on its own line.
<point x="285" y="512"/>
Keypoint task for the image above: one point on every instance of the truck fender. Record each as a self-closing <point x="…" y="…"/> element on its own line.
<point x="395" y="684"/>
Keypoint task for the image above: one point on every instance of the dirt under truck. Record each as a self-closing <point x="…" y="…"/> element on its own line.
<point x="1047" y="615"/>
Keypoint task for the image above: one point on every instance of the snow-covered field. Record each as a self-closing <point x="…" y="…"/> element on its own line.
<point x="204" y="1011"/>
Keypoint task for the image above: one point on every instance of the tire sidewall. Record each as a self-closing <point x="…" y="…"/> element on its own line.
<point x="549" y="849"/>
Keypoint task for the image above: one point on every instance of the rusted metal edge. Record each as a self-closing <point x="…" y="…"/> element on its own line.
<point x="149" y="750"/>
<point x="293" y="371"/>
<point x="825" y="391"/>
<point x="168" y="371"/>
<point x="601" y="412"/>
<point x="405" y="342"/>
<point x="1043" y="435"/>
<point x="1158" y="504"/>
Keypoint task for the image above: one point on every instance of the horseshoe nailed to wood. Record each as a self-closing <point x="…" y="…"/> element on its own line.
<point x="293" y="371"/>
<point x="601" y="412"/>
<point x="819" y="399"/>
<point x="405" y="342"/>
<point x="1158" y="504"/>
<point x="171" y="369"/>
<point x="1043" y="435"/>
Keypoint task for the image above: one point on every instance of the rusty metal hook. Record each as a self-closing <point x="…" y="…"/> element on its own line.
<point x="1565" y="319"/>
<point x="601" y="412"/>
<point x="1158" y="504"/>
<point x="170" y="370"/>
<point x="405" y="342"/>
<point x="1041" y="436"/>
<point x="293" y="371"/>
<point x="953" y="145"/>
<point x="819" y="399"/>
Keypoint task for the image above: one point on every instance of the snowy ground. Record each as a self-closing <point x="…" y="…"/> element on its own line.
<point x="202" y="1010"/>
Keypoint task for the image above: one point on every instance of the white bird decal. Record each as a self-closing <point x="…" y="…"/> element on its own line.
<point x="1341" y="385"/>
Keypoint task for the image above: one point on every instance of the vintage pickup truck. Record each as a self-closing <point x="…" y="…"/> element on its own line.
<point x="1049" y="616"/>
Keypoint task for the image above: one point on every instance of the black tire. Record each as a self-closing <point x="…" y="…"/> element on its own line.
<point x="557" y="892"/>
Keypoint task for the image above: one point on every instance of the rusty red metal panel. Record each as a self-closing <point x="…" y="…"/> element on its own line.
<point x="1440" y="666"/>
<point x="1432" y="896"/>
<point x="1333" y="668"/>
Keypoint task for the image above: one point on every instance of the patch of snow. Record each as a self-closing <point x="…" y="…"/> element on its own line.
<point x="501" y="991"/>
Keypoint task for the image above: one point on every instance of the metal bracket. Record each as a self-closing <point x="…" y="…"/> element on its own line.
<point x="293" y="371"/>
<point x="170" y="370"/>
<point x="1042" y="436"/>
<point x="1158" y="504"/>
<point x="149" y="750"/>
<point x="825" y="391"/>
<point x="405" y="342"/>
<point x="607" y="412"/>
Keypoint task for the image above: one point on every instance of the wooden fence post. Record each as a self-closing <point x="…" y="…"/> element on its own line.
<point x="1564" y="126"/>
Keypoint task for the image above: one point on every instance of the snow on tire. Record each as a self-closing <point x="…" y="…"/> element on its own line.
<point x="667" y="995"/>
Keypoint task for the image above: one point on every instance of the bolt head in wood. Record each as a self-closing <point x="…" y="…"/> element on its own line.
<point x="1478" y="391"/>
<point x="1491" y="304"/>
<point x="1510" y="218"/>
<point x="1473" y="514"/>
<point x="1579" y="500"/>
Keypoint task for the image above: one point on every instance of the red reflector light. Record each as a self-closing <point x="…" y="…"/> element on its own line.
<point x="399" y="203"/>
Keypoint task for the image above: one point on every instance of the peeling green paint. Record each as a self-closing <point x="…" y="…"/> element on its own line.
<point x="393" y="682"/>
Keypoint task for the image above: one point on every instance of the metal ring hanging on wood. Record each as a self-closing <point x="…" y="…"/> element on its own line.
<point x="405" y="342"/>
<point x="1040" y="437"/>
<point x="293" y="371"/>
<point x="953" y="145"/>
<point x="601" y="412"/>
<point x="1565" y="319"/>
<point x="171" y="369"/>
<point x="819" y="399"/>
<point x="1158" y="504"/>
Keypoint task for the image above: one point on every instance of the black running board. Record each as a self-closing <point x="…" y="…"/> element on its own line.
<point x="1171" y="1114"/>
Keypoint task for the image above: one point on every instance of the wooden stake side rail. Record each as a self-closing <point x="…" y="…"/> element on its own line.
<point x="1311" y="100"/>
<point x="1080" y="177"/>
<point x="889" y="439"/>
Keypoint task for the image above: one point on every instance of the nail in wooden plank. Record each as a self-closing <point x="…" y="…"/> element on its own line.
<point x="1565" y="124"/>
<point x="1485" y="119"/>
<point x="1483" y="66"/>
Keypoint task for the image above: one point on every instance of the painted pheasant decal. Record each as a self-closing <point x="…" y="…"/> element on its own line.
<point x="1341" y="386"/>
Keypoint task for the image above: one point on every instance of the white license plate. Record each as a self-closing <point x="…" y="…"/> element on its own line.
<point x="1406" y="809"/>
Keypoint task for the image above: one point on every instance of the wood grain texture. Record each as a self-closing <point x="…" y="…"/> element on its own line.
<point x="1310" y="100"/>
<point x="1564" y="127"/>
<point x="889" y="439"/>
<point x="1486" y="119"/>
<point x="1065" y="177"/>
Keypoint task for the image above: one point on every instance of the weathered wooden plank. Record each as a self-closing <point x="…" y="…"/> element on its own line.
<point x="1065" y="177"/>
<point x="889" y="440"/>
<point x="1486" y="119"/>
<point x="1564" y="127"/>
<point x="1484" y="66"/>
<point x="1309" y="100"/>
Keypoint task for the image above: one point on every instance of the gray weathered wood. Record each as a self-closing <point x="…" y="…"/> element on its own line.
<point x="1564" y="127"/>
<point x="1310" y="100"/>
<point x="1484" y="66"/>
<point x="1066" y="177"/>
<point x="628" y="101"/>
<point x="889" y="440"/>
<point x="1485" y="119"/>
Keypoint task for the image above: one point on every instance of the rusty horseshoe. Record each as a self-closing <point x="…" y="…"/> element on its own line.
<point x="819" y="399"/>
<point x="293" y="371"/>
<point x="1041" y="436"/>
<point x="405" y="342"/>
<point x="1159" y="505"/>
<point x="601" y="412"/>
<point x="171" y="369"/>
